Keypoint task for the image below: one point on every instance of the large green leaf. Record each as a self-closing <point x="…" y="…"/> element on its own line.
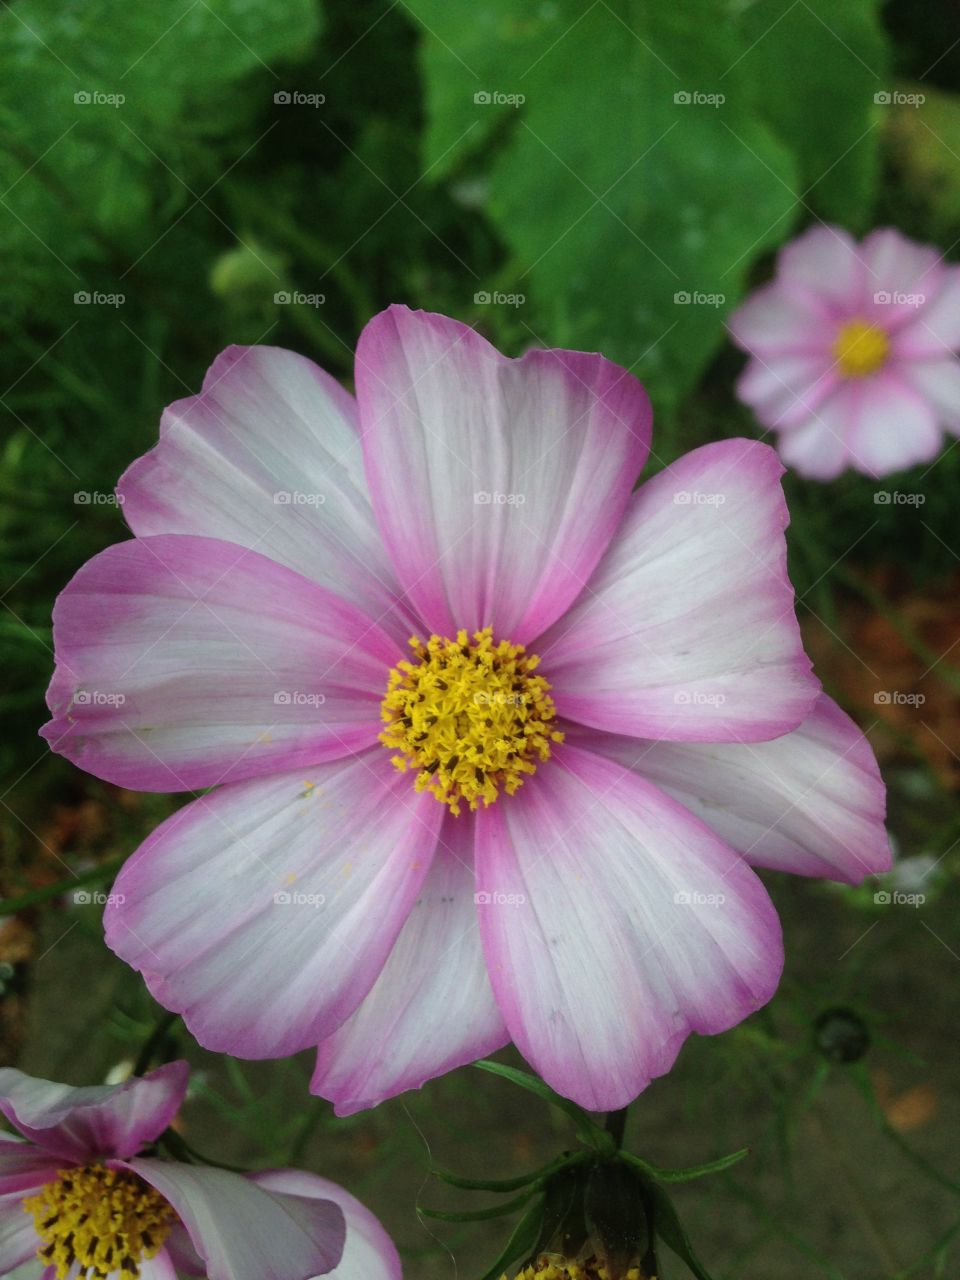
<point x="621" y="182"/>
<point x="823" y="83"/>
<point x="108" y="113"/>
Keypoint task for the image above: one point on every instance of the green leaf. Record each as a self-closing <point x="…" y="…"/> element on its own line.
<point x="109" y="113"/>
<point x="838" y="54"/>
<point x="615" y="197"/>
<point x="589" y="1133"/>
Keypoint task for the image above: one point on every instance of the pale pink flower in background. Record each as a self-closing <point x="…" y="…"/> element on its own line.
<point x="83" y="1194"/>
<point x="853" y="352"/>
<point x="410" y="907"/>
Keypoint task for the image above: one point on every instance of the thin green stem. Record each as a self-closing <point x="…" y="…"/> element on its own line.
<point x="616" y="1125"/>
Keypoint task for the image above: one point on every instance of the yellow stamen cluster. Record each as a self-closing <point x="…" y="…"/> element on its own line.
<point x="860" y="349"/>
<point x="101" y="1220"/>
<point x="471" y="718"/>
<point x="547" y="1268"/>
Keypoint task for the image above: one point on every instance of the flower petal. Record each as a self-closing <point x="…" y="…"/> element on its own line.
<point x="898" y="273"/>
<point x="811" y="802"/>
<point x="935" y="330"/>
<point x="635" y="926"/>
<point x="23" y="1165"/>
<point x="185" y="662"/>
<point x="938" y="381"/>
<point x="818" y="448"/>
<point x="891" y="426"/>
<point x="265" y="911"/>
<point x="369" y="1253"/>
<point x="788" y="390"/>
<point x="268" y="456"/>
<point x="432" y="1008"/>
<point x="826" y="266"/>
<point x="244" y="1231"/>
<point x="497" y="483"/>
<point x="687" y="630"/>
<point x="775" y="321"/>
<point x="100" y="1120"/>
<point x="18" y="1235"/>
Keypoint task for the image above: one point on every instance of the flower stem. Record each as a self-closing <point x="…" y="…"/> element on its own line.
<point x="616" y="1124"/>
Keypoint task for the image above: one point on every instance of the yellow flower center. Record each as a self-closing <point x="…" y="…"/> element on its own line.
<point x="860" y="349"/>
<point x="564" y="1269"/>
<point x="103" y="1220"/>
<point x="472" y="719"/>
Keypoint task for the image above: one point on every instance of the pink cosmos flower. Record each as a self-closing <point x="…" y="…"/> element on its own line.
<point x="853" y="352"/>
<point x="82" y="1195"/>
<point x="403" y="863"/>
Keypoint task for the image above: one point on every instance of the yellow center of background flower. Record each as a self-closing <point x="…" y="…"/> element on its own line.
<point x="103" y="1220"/>
<point x="860" y="349"/>
<point x="471" y="718"/>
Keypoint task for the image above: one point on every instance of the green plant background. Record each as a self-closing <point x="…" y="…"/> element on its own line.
<point x="596" y="199"/>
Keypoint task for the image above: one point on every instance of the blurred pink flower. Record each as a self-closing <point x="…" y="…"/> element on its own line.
<point x="410" y="909"/>
<point x="853" y="352"/>
<point x="83" y="1195"/>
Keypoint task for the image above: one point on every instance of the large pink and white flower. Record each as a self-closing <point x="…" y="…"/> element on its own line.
<point x="537" y="822"/>
<point x="83" y="1194"/>
<point x="853" y="352"/>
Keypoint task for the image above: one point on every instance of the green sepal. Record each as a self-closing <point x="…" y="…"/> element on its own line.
<point x="479" y="1215"/>
<point x="521" y="1243"/>
<point x="589" y="1133"/>
<point x="688" y="1174"/>
<point x="502" y="1185"/>
<point x="671" y="1231"/>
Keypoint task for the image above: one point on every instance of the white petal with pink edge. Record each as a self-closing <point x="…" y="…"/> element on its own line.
<point x="934" y="332"/>
<point x="369" y="1253"/>
<point x="265" y="911"/>
<point x="687" y="630"/>
<point x="432" y="1008"/>
<point x="186" y="662"/>
<point x="788" y="389"/>
<point x="18" y="1235"/>
<point x="775" y="322"/>
<point x="244" y="1231"/>
<point x="497" y="483"/>
<point x="626" y="924"/>
<point x="891" y="426"/>
<point x="811" y="802"/>
<point x="826" y="266"/>
<point x="97" y="1120"/>
<point x="818" y="448"/>
<point x="938" y="381"/>
<point x="268" y="456"/>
